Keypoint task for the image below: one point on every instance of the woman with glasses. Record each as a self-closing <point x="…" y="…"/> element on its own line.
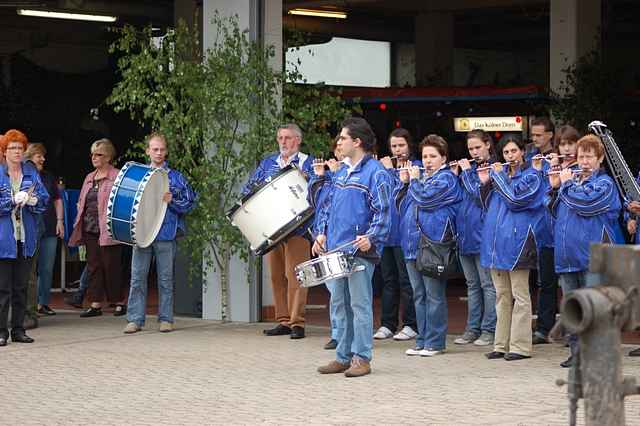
<point x="22" y="199"/>
<point x="90" y="229"/>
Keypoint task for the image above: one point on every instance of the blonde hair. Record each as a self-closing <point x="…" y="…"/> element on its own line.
<point x="107" y="146"/>
<point x="33" y="149"/>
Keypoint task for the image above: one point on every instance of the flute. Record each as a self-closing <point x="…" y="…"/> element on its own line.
<point x="514" y="162"/>
<point x="573" y="171"/>
<point x="550" y="157"/>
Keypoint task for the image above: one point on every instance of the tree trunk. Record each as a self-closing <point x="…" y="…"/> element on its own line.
<point x="225" y="256"/>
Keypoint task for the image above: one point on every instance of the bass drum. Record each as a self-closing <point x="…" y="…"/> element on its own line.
<point x="135" y="210"/>
<point x="273" y="210"/>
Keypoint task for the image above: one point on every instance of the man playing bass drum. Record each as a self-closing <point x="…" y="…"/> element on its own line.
<point x="289" y="298"/>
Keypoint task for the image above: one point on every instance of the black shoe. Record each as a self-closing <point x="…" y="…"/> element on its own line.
<point x="494" y="355"/>
<point x="46" y="310"/>
<point x="512" y="356"/>
<point x="120" y="310"/>
<point x="539" y="339"/>
<point x="297" y="332"/>
<point x="635" y="352"/>
<point x="567" y="362"/>
<point x="20" y="337"/>
<point x="279" y="330"/>
<point x="331" y="344"/>
<point x="91" y="312"/>
<point x="3" y="341"/>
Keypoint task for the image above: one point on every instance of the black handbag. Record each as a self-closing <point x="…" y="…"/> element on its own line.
<point x="434" y="258"/>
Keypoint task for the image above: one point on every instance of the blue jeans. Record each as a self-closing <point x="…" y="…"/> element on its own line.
<point x="481" y="294"/>
<point x="164" y="252"/>
<point x="84" y="280"/>
<point x="352" y="304"/>
<point x="46" y="261"/>
<point x="332" y="310"/>
<point x="429" y="296"/>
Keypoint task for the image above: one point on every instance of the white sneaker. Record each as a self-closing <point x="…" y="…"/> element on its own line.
<point x="406" y="333"/>
<point x="131" y="328"/>
<point x="431" y="352"/>
<point x="383" y="333"/>
<point x="412" y="351"/>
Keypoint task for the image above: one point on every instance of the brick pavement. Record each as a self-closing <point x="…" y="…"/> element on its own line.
<point x="85" y="371"/>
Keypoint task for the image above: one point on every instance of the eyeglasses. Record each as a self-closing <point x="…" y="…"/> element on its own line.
<point x="15" y="148"/>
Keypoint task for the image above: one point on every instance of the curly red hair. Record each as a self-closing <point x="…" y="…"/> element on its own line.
<point x="13" y="135"/>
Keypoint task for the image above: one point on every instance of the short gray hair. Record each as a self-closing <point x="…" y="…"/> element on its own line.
<point x="293" y="127"/>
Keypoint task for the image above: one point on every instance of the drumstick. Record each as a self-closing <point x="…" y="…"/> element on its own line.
<point x="341" y="246"/>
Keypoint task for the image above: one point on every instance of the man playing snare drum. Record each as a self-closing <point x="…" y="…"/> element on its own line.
<point x="289" y="298"/>
<point x="180" y="200"/>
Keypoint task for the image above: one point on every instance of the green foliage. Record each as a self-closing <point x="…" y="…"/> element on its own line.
<point x="219" y="111"/>
<point x="317" y="108"/>
<point x="590" y="91"/>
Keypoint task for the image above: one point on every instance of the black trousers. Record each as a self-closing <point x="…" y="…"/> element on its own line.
<point x="14" y="275"/>
<point x="548" y="293"/>
<point x="397" y="290"/>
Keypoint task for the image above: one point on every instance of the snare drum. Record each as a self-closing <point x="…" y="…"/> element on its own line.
<point x="327" y="267"/>
<point x="273" y="210"/>
<point x="135" y="210"/>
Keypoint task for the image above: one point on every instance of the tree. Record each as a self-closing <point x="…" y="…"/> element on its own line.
<point x="219" y="110"/>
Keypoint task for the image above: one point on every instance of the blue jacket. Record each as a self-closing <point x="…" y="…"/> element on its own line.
<point x="470" y="217"/>
<point x="30" y="214"/>
<point x="395" y="235"/>
<point x="584" y="213"/>
<point x="269" y="167"/>
<point x="436" y="200"/>
<point x="358" y="204"/>
<point x="183" y="199"/>
<point x="319" y="189"/>
<point x="513" y="224"/>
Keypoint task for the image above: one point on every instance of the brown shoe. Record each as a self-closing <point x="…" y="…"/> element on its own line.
<point x="359" y="367"/>
<point x="333" y="367"/>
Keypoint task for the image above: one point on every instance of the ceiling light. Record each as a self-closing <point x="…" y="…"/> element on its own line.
<point x="319" y="13"/>
<point x="66" y="15"/>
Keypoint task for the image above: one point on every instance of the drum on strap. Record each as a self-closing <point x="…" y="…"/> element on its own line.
<point x="330" y="266"/>
<point x="135" y="210"/>
<point x="273" y="210"/>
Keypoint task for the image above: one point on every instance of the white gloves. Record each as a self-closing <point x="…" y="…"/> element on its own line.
<point x="22" y="198"/>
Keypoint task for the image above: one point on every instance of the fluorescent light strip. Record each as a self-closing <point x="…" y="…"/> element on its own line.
<point x="318" y="13"/>
<point x="66" y="15"/>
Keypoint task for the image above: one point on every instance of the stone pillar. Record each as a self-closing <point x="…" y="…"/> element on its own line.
<point x="434" y="43"/>
<point x="263" y="19"/>
<point x="574" y="31"/>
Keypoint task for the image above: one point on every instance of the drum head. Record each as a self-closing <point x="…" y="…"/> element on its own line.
<point x="151" y="209"/>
